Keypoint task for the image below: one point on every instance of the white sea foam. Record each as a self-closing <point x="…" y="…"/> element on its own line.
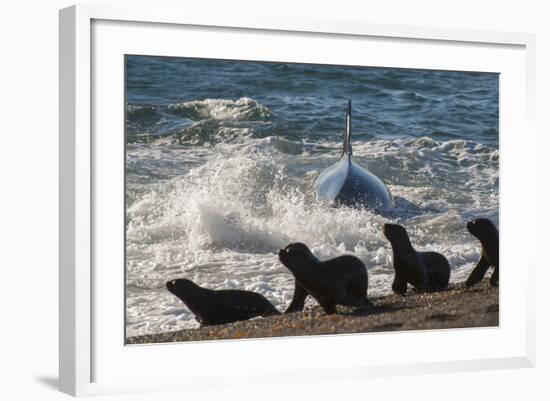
<point x="221" y="109"/>
<point x="218" y="214"/>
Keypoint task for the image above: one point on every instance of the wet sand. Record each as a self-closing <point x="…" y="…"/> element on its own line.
<point x="457" y="307"/>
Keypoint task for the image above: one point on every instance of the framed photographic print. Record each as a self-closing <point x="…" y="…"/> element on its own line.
<point x="237" y="187"/>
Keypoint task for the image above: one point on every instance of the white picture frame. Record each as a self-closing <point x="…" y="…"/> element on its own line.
<point x="96" y="361"/>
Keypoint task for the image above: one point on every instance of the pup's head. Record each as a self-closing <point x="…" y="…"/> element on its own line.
<point x="482" y="227"/>
<point x="395" y="233"/>
<point x="296" y="255"/>
<point x="180" y="287"/>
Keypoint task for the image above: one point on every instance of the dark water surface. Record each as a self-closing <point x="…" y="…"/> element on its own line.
<point x="307" y="101"/>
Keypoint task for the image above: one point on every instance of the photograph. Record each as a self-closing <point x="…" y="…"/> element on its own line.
<point x="280" y="199"/>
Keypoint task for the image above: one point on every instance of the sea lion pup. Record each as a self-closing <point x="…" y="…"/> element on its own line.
<point x="426" y="271"/>
<point x="220" y="306"/>
<point x="486" y="232"/>
<point x="339" y="281"/>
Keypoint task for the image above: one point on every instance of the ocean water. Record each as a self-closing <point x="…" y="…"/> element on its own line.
<point x="221" y="155"/>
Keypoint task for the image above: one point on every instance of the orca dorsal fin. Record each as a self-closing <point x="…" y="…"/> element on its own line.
<point x="347" y="133"/>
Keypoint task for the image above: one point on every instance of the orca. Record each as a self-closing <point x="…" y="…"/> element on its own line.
<point x="346" y="183"/>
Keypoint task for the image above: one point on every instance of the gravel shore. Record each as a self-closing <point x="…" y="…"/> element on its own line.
<point x="457" y="307"/>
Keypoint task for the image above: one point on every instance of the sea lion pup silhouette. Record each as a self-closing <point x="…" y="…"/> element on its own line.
<point x="486" y="232"/>
<point x="212" y="307"/>
<point x="339" y="281"/>
<point x="425" y="271"/>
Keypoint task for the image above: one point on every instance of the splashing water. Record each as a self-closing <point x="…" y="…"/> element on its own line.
<point x="221" y="222"/>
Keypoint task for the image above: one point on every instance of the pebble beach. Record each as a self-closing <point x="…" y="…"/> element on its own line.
<point x="457" y="307"/>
